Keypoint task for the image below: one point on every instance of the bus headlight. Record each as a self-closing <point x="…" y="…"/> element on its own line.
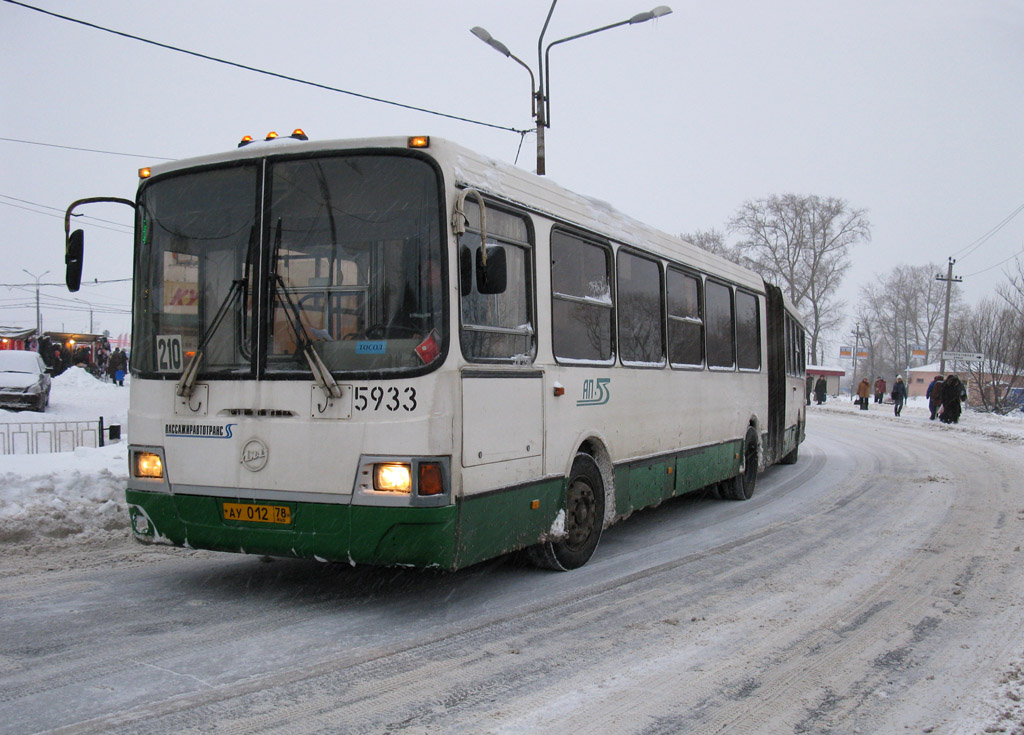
<point x="392" y="477"/>
<point x="403" y="481"/>
<point x="149" y="465"/>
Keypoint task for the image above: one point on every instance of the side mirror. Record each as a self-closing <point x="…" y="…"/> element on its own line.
<point x="491" y="272"/>
<point x="75" y="249"/>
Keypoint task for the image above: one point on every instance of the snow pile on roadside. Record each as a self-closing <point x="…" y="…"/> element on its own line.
<point x="67" y="497"/>
<point x="1006" y="429"/>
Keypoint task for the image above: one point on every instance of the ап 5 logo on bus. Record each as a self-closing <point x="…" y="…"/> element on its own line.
<point x="595" y="392"/>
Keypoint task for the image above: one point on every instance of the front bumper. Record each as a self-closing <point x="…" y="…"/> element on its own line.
<point x="324" y="531"/>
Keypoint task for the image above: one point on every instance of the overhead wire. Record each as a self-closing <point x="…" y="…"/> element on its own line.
<point x="58" y="209"/>
<point x="992" y="267"/>
<point x="87" y="150"/>
<point x="266" y="72"/>
<point x="974" y="245"/>
<point x="61" y="216"/>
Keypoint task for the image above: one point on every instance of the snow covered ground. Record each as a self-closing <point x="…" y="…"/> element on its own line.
<point x="78" y="496"/>
<point x="75" y="502"/>
<point x="973" y="423"/>
<point x="67" y="497"/>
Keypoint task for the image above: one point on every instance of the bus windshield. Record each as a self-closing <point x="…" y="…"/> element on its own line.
<point x="249" y="265"/>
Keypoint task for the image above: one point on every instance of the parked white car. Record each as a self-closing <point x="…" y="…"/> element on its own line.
<point x="24" y="380"/>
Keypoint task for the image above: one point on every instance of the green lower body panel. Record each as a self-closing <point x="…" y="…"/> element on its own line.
<point x="649" y="482"/>
<point x="495" y="523"/>
<point x="332" y="532"/>
<point x="475" y="528"/>
<point x="449" y="537"/>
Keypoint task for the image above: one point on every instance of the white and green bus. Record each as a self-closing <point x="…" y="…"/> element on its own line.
<point x="401" y="352"/>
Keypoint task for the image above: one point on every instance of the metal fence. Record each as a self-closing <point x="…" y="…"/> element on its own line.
<point x="47" y="437"/>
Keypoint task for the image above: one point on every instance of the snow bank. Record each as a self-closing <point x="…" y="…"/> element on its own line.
<point x="1005" y="429"/>
<point x="68" y="497"/>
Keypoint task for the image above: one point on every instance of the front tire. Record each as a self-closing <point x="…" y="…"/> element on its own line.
<point x="742" y="486"/>
<point x="584" y="519"/>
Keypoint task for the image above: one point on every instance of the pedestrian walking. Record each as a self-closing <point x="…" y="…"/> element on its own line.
<point x="863" y="392"/>
<point x="899" y="394"/>
<point x="879" y="389"/>
<point x="116" y="366"/>
<point x="934" y="396"/>
<point x="953" y="392"/>
<point x="810" y="388"/>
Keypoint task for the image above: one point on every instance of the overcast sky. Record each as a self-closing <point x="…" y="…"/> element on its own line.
<point x="911" y="110"/>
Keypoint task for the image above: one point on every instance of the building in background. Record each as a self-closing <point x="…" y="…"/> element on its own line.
<point x="832" y="376"/>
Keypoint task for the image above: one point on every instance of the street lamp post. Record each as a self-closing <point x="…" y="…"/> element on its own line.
<point x="88" y="306"/>
<point x="540" y="98"/>
<point x="39" y="314"/>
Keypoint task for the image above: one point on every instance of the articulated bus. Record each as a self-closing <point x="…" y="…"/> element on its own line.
<point x="400" y="352"/>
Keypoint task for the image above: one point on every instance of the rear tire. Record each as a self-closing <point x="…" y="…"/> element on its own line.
<point x="741" y="487"/>
<point x="584" y="520"/>
<point x="792" y="457"/>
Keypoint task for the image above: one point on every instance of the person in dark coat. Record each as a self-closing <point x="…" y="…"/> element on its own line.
<point x="899" y="394"/>
<point x="953" y="392"/>
<point x="934" y="396"/>
<point x="820" y="389"/>
<point x="879" y="389"/>
<point x="116" y="366"/>
<point x="810" y="388"/>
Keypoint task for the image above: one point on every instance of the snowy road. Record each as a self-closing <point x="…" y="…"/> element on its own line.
<point x="874" y="587"/>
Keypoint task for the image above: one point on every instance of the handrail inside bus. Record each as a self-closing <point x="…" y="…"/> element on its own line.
<point x="460" y="220"/>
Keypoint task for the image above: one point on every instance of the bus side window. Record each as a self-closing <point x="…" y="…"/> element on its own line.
<point x="685" y="320"/>
<point x="581" y="299"/>
<point x="641" y="330"/>
<point x="497" y="297"/>
<point x="748" y="331"/>
<point x="720" y="324"/>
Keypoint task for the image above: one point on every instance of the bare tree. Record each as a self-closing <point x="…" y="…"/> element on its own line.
<point x="802" y="243"/>
<point x="714" y="242"/>
<point x="996" y="330"/>
<point x="904" y="310"/>
<point x="1012" y="292"/>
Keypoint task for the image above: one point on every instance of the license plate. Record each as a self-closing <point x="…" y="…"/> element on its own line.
<point x="251" y="512"/>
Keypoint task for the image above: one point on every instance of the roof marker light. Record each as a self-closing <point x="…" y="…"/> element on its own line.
<point x="145" y="173"/>
<point x="246" y="140"/>
<point x="271" y="135"/>
<point x="299" y="134"/>
<point x="419" y="141"/>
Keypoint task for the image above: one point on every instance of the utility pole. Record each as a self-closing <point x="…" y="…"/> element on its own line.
<point x="949" y="279"/>
<point x="39" y="314"/>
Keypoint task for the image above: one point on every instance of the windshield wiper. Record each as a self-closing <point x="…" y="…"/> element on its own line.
<point x="239" y="289"/>
<point x="321" y="374"/>
<point x="187" y="382"/>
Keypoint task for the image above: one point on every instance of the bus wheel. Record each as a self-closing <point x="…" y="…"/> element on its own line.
<point x="584" y="520"/>
<point x="792" y="457"/>
<point x="741" y="487"/>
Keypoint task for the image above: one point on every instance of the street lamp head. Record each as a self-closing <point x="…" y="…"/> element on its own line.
<point x="656" y="13"/>
<point x="490" y="40"/>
